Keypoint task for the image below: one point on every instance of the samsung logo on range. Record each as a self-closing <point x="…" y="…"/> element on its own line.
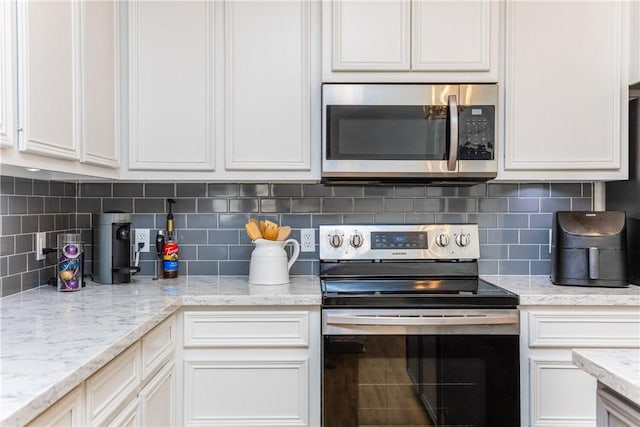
<point x="398" y="253"/>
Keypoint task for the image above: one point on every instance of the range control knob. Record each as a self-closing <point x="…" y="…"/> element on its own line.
<point x="442" y="240"/>
<point x="335" y="240"/>
<point x="357" y="240"/>
<point x="462" y="240"/>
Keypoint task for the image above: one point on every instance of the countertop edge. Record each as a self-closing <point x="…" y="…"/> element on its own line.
<point x="606" y="376"/>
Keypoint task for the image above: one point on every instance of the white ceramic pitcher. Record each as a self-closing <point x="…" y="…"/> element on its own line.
<point x="269" y="264"/>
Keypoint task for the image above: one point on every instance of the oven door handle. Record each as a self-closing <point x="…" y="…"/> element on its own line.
<point x="395" y="320"/>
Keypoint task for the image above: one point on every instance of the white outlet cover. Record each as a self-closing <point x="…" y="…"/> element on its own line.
<point x="142" y="236"/>
<point x="307" y="240"/>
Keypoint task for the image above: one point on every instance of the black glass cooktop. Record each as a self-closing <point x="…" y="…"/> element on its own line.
<point x="418" y="293"/>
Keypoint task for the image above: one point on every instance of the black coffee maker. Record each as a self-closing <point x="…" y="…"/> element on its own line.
<point x="589" y="249"/>
<point x="111" y="262"/>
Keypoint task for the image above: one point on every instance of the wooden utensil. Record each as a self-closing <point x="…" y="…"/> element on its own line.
<point x="253" y="230"/>
<point x="284" y="232"/>
<point x="269" y="229"/>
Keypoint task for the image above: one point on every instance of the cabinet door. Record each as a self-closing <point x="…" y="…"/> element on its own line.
<point x="129" y="417"/>
<point x="248" y="388"/>
<point x="158" y="397"/>
<point x="49" y="40"/>
<point x="8" y="84"/>
<point x="100" y="81"/>
<point x="268" y="85"/>
<point x="452" y="36"/>
<point x="561" y="393"/>
<point x="171" y="89"/>
<point x="615" y="411"/>
<point x="565" y="90"/>
<point x="67" y="412"/>
<point x="371" y="35"/>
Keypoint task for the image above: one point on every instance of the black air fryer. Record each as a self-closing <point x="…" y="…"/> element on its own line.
<point x="589" y="249"/>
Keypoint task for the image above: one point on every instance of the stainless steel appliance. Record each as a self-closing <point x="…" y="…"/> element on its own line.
<point x="411" y="335"/>
<point x="379" y="133"/>
<point x="589" y="249"/>
<point x="111" y="261"/>
<point x="625" y="195"/>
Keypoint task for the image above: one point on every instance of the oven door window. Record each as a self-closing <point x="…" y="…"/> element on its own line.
<point x="387" y="132"/>
<point x="398" y="380"/>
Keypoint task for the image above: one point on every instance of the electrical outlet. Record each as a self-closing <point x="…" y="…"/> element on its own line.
<point x="41" y="242"/>
<point x="307" y="240"/>
<point x="142" y="236"/>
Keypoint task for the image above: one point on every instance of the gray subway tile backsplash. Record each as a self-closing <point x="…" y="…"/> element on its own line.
<point x="514" y="219"/>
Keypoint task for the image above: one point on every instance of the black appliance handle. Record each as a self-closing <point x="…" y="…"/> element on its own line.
<point x="594" y="263"/>
<point x="453" y="132"/>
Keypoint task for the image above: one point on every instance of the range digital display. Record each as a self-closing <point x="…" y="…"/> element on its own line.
<point x="399" y="240"/>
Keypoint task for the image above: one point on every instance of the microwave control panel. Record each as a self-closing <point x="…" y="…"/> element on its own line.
<point x="476" y="132"/>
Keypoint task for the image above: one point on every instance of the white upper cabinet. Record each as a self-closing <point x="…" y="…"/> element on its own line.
<point x="58" y="87"/>
<point x="565" y="87"/>
<point x="370" y="36"/>
<point x="49" y="39"/>
<point x="268" y="85"/>
<point x="101" y="139"/>
<point x="411" y="40"/>
<point x="171" y="85"/>
<point x="8" y="83"/>
<point x="224" y="90"/>
<point x="452" y="36"/>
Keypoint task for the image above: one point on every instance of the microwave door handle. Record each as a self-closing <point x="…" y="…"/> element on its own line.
<point x="453" y="132"/>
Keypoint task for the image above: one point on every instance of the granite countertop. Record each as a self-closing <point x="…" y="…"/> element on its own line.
<point x="618" y="369"/>
<point x="52" y="341"/>
<point x="538" y="290"/>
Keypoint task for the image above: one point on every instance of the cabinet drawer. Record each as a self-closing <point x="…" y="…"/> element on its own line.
<point x="584" y="329"/>
<point x="246" y="329"/>
<point x="157" y="345"/>
<point x="113" y="385"/>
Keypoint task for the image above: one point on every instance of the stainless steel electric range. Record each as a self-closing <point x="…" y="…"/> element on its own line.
<point x="411" y="334"/>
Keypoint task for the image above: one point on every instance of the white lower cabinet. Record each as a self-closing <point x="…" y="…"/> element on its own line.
<point x="615" y="411"/>
<point x="112" y="386"/>
<point x="129" y="416"/>
<point x="158" y="397"/>
<point x="67" y="412"/>
<point x="136" y="388"/>
<point x="555" y="392"/>
<point x="251" y="367"/>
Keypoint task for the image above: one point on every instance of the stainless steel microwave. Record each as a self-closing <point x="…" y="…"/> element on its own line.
<point x="388" y="133"/>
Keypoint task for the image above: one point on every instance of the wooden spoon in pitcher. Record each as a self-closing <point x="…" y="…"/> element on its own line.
<point x="284" y="232"/>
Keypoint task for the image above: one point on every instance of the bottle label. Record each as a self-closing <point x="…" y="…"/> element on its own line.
<point x="170" y="257"/>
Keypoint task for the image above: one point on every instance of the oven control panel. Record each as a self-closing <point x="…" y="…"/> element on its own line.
<point x="399" y="242"/>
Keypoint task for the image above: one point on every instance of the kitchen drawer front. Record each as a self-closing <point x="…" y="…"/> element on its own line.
<point x="112" y="386"/>
<point x="246" y="329"/>
<point x="157" y="346"/>
<point x="584" y="329"/>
